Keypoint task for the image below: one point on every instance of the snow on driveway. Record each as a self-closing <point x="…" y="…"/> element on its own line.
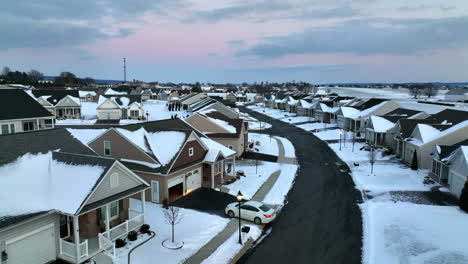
<point x="267" y="144"/>
<point x="249" y="184"/>
<point x="231" y="246"/>
<point x="414" y="234"/>
<point x="195" y="229"/>
<point x="280" y="189"/>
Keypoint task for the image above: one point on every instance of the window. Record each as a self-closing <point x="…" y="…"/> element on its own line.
<point x="218" y="167"/>
<point x="114" y="211"/>
<point x="134" y="113"/>
<point x="114" y="180"/>
<point x="230" y="147"/>
<point x="4" y="129"/>
<point x="107" y="148"/>
<point x="190" y="152"/>
<point x="12" y="128"/>
<point x="28" y="126"/>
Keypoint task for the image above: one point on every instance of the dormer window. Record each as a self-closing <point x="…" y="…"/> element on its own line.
<point x="190" y="152"/>
<point x="107" y="148"/>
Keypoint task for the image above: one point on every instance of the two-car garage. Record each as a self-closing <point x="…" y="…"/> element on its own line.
<point x="184" y="183"/>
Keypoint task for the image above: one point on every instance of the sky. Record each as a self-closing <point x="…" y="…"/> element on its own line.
<point x="321" y="41"/>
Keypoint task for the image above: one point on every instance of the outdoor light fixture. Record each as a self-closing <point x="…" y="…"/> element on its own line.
<point x="239" y="199"/>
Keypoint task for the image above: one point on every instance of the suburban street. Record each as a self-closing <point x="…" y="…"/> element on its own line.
<point x="321" y="222"/>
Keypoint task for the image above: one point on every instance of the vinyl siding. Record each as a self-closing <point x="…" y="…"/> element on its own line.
<point x="104" y="190"/>
<point x="29" y="226"/>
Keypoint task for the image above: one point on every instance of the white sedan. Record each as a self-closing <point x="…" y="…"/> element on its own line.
<point x="251" y="210"/>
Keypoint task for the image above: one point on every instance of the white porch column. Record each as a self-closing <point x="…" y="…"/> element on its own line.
<point x="222" y="171"/>
<point x="107" y="220"/>
<point x="212" y="175"/>
<point x="234" y="166"/>
<point x="143" y="200"/>
<point x="76" y="235"/>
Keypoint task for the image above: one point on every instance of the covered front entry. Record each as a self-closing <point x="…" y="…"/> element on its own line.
<point x="36" y="247"/>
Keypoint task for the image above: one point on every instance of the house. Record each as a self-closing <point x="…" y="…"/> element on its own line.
<point x="230" y="132"/>
<point x="119" y="107"/>
<point x="62" y="205"/>
<point x="19" y="112"/>
<point x="379" y="128"/>
<point x="231" y="97"/>
<point x="64" y="104"/>
<point x="173" y="96"/>
<point x="241" y="97"/>
<point x="325" y="112"/>
<point x="458" y="169"/>
<point x="354" y="115"/>
<point x="88" y="96"/>
<point x="223" y="109"/>
<point x="201" y="104"/>
<point x="170" y="155"/>
<point x="190" y="99"/>
<point x="140" y="94"/>
<point x="291" y="104"/>
<point x="305" y="108"/>
<point x="440" y="166"/>
<point x="457" y="95"/>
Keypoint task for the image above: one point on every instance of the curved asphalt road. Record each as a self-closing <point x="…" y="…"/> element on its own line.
<point x="321" y="223"/>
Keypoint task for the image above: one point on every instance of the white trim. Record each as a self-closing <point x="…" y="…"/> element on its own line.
<point x="159" y="192"/>
<point x="29" y="118"/>
<point x="23" y="236"/>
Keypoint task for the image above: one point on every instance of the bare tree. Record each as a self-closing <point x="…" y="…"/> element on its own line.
<point x="372" y="158"/>
<point x="173" y="216"/>
<point x="415" y="90"/>
<point x="35" y="75"/>
<point x="314" y="89"/>
<point x="5" y="71"/>
<point x="89" y="80"/>
<point x="431" y="90"/>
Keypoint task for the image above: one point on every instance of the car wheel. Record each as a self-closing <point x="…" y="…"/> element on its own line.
<point x="257" y="221"/>
<point x="231" y="214"/>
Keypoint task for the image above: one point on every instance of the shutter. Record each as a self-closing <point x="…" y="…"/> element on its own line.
<point x="98" y="216"/>
<point x="120" y="206"/>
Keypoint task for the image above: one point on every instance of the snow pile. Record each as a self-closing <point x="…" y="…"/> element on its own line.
<point x="195" y="229"/>
<point x="86" y="135"/>
<point x="166" y="144"/>
<point x="231" y="246"/>
<point x="417" y="234"/>
<point x="35" y="183"/>
<point x="380" y="124"/>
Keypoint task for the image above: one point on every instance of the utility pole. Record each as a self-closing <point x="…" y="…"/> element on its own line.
<point x="125" y="70"/>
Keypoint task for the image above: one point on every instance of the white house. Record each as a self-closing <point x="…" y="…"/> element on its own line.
<point x="115" y="108"/>
<point x="457" y="95"/>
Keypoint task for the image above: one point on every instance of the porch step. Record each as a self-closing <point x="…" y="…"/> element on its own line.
<point x="102" y="258"/>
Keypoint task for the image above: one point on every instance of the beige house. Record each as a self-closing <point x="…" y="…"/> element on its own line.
<point x="232" y="133"/>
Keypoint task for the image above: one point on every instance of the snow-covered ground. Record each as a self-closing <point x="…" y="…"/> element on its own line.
<point x="388" y="175"/>
<point x="195" y="230"/>
<point x="289" y="151"/>
<point x="311" y="126"/>
<point x="407" y="233"/>
<point x="280" y="189"/>
<point x="254" y="177"/>
<point x="231" y="247"/>
<point x="158" y="110"/>
<point x="296" y="119"/>
<point x="267" y="144"/>
<point x="334" y="134"/>
<point x="88" y="110"/>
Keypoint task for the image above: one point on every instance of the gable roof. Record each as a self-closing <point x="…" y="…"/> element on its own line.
<point x="445" y="151"/>
<point x="407" y="126"/>
<point x="233" y="122"/>
<point x="41" y="141"/>
<point x="402" y="112"/>
<point x="17" y="104"/>
<point x="54" y="96"/>
<point x="449" y="116"/>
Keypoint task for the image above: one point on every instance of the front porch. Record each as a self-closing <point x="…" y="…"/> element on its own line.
<point x="215" y="174"/>
<point x="82" y="239"/>
<point x="68" y="112"/>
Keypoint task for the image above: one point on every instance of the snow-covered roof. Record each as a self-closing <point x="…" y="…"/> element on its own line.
<point x="214" y="148"/>
<point x="327" y="109"/>
<point x="367" y="111"/>
<point x="348" y="111"/>
<point x="35" y="183"/>
<point x="165" y="144"/>
<point x="114" y="92"/>
<point x="222" y="123"/>
<point x="427" y="132"/>
<point x="86" y="135"/>
<point x="84" y="93"/>
<point x="306" y="104"/>
<point x="380" y="124"/>
<point x="292" y="101"/>
<point x="448" y="131"/>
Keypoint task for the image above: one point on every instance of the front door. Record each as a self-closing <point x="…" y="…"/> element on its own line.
<point x="155" y="191"/>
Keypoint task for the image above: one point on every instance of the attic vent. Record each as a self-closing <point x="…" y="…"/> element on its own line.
<point x="114" y="180"/>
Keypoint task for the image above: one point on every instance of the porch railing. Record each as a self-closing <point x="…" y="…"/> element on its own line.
<point x="106" y="244"/>
<point x="122" y="230"/>
<point x="68" y="249"/>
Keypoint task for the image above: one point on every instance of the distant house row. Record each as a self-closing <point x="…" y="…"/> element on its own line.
<point x="428" y="140"/>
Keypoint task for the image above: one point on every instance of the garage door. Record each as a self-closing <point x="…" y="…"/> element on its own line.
<point x="34" y="248"/>
<point x="456" y="183"/>
<point x="194" y="180"/>
<point x="113" y="115"/>
<point x="175" y="181"/>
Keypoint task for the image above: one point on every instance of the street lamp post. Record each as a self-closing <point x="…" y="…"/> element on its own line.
<point x="341" y="132"/>
<point x="147" y="116"/>
<point x="239" y="199"/>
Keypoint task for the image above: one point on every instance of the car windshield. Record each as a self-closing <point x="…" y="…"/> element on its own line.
<point x="265" y="208"/>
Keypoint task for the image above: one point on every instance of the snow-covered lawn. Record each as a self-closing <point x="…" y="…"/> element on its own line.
<point x="334" y="134"/>
<point x="75" y="121"/>
<point x="231" y="247"/>
<point x="280" y="189"/>
<point x="296" y="119"/>
<point x="158" y="110"/>
<point x="267" y="144"/>
<point x="311" y="126"/>
<point x="414" y="234"/>
<point x="258" y="125"/>
<point x="348" y="155"/>
<point x="195" y="230"/>
<point x="254" y="177"/>
<point x="289" y="151"/>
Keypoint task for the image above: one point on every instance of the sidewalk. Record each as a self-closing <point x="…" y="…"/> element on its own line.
<point x="209" y="248"/>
